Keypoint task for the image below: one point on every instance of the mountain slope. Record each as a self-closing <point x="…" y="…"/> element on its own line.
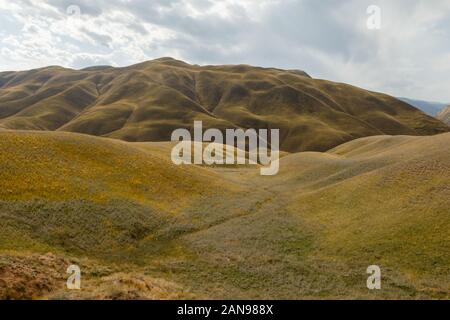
<point x="69" y="178"/>
<point x="444" y="115"/>
<point x="147" y="101"/>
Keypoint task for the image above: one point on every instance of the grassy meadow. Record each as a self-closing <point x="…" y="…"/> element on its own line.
<point x="142" y="228"/>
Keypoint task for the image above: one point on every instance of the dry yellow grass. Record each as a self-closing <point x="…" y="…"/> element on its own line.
<point x="65" y="166"/>
<point x="142" y="228"/>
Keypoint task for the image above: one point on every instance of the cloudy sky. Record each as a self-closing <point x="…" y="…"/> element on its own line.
<point x="409" y="56"/>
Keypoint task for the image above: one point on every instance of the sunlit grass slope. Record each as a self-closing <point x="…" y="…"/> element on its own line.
<point x="141" y="227"/>
<point x="384" y="201"/>
<point x="328" y="216"/>
<point x="90" y="194"/>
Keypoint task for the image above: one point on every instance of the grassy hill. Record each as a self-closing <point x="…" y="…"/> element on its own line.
<point x="147" y="101"/>
<point x="140" y="227"/>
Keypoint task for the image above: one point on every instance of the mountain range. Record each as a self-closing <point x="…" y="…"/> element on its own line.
<point x="147" y="101"/>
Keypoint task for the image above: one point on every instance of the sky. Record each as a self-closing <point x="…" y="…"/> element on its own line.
<point x="408" y="56"/>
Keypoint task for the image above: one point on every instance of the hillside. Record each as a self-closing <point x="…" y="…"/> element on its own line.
<point x="147" y="101"/>
<point x="444" y="115"/>
<point x="140" y="227"/>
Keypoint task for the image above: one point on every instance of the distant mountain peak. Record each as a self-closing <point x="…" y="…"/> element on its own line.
<point x="429" y="107"/>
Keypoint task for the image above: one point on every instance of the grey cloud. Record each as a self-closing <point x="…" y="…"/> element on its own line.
<point x="100" y="39"/>
<point x="137" y="28"/>
<point x="326" y="38"/>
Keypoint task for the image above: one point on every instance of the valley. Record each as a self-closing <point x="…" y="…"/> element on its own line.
<point x="140" y="227"/>
<point x="87" y="178"/>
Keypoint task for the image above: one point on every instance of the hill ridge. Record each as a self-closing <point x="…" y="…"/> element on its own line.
<point x="148" y="100"/>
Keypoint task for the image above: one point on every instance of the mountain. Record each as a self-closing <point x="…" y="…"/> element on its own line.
<point x="141" y="228"/>
<point x="147" y="101"/>
<point x="444" y="115"/>
<point x="430" y="108"/>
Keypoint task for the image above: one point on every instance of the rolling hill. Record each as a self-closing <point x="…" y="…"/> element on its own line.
<point x="140" y="227"/>
<point x="86" y="178"/>
<point x="147" y="101"/>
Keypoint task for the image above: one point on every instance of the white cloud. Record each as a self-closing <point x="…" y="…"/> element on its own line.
<point x="409" y="56"/>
